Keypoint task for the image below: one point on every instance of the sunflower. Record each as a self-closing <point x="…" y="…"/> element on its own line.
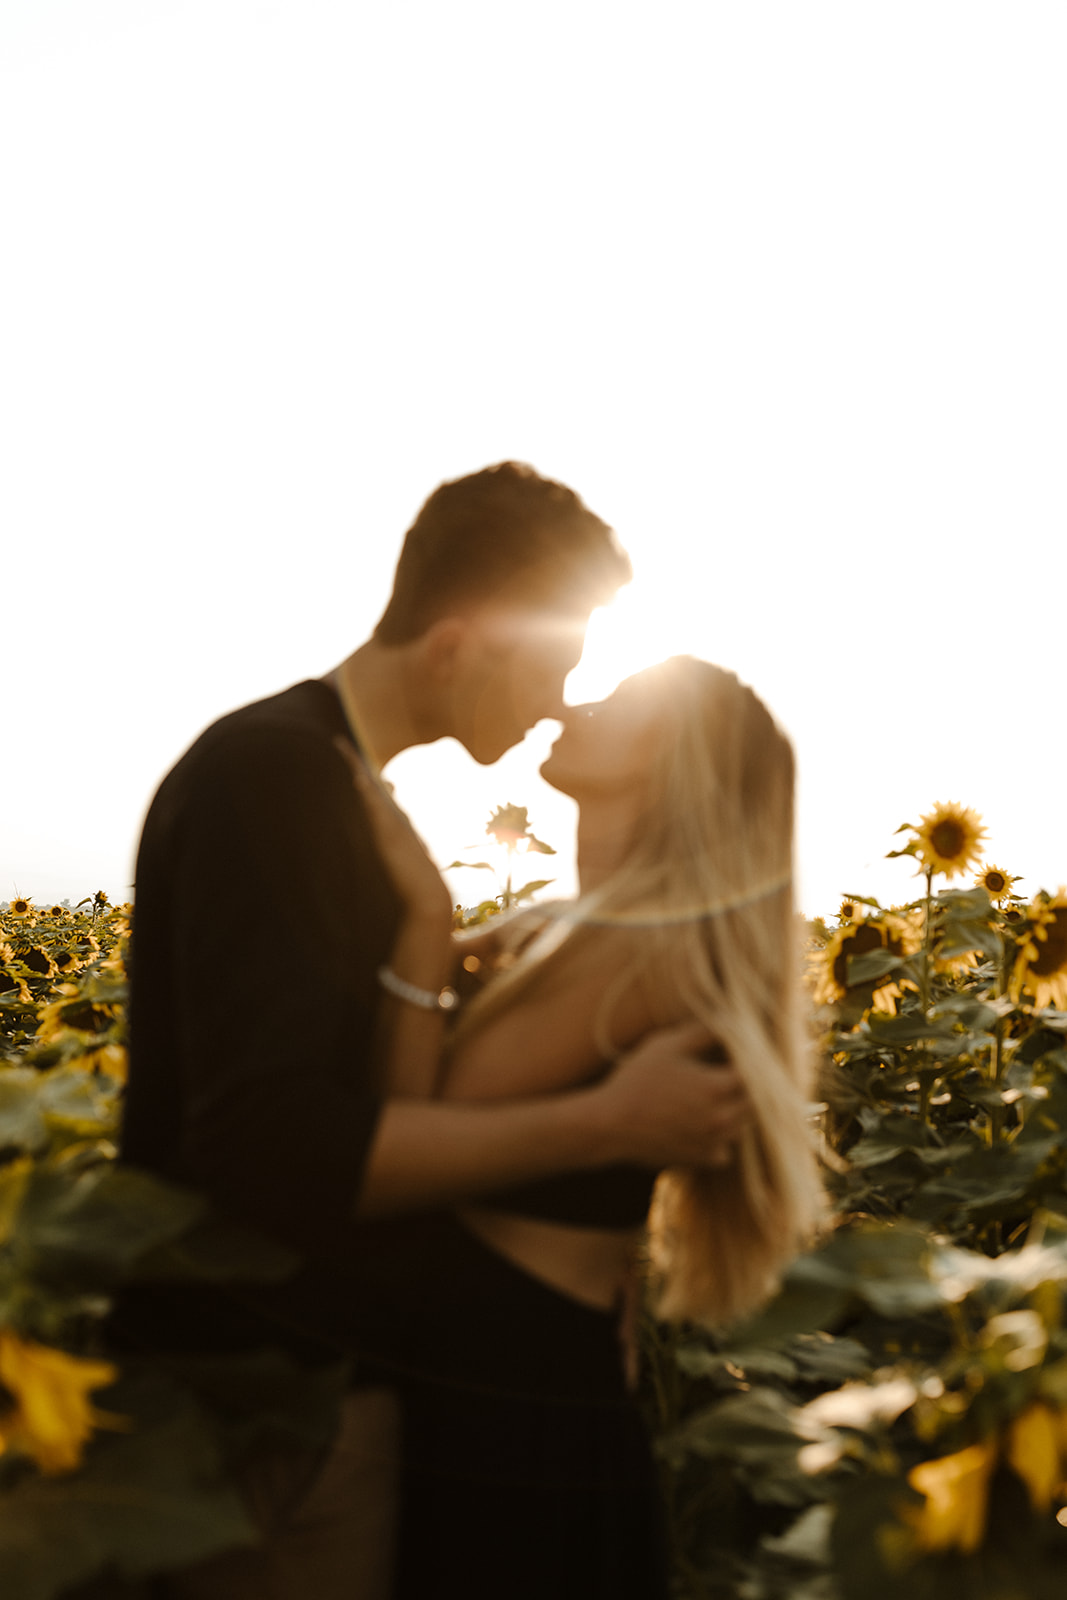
<point x="64" y="960"/>
<point x="948" y="838"/>
<point x="995" y="881"/>
<point x="858" y="939"/>
<point x="956" y="966"/>
<point x="37" y="960"/>
<point x="21" y="906"/>
<point x="509" y="824"/>
<point x="53" y="1418"/>
<point x="109" y="1058"/>
<point x="1041" y="965"/>
<point x="848" y="911"/>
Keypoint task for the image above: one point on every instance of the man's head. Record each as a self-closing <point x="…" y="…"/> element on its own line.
<point x="493" y="590"/>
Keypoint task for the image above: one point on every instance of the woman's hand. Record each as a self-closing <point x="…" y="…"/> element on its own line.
<point x="670" y="1106"/>
<point x="413" y="873"/>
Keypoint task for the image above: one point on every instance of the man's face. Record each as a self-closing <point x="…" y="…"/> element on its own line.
<point x="510" y="675"/>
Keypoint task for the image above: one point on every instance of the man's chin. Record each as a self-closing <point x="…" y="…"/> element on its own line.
<point x="487" y="754"/>
<point x="555" y="778"/>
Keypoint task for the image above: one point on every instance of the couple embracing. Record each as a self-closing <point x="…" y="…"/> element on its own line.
<point x="467" y="1186"/>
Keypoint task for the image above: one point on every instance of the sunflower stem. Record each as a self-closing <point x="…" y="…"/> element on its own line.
<point x="924" y="991"/>
<point x="997" y="1061"/>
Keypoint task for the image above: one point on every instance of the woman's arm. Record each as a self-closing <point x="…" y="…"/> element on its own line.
<point x="552" y="1039"/>
<point x="661" y="1107"/>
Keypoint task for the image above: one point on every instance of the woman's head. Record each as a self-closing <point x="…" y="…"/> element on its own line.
<point x="707" y="772"/>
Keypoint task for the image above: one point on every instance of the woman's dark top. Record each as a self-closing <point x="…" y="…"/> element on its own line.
<point x="610" y="1197"/>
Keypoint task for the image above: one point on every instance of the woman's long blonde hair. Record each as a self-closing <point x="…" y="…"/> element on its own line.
<point x="703" y="905"/>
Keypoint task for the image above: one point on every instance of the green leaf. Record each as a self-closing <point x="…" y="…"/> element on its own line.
<point x="822" y="1359"/>
<point x="887" y="1266"/>
<point x="528" y="890"/>
<point x="539" y="846"/>
<point x="799" y="1308"/>
<point x="980" y="1015"/>
<point x="756" y="1433"/>
<point x="263" y="1396"/>
<point x="478" y="866"/>
<point x="907" y="1029"/>
<point x="88" y="1228"/>
<point x="757" y="1361"/>
<point x="145" y="1501"/>
<point x="873" y="964"/>
<point x="866" y="1507"/>
<point x="22" y="1125"/>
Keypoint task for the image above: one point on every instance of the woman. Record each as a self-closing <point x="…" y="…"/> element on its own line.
<point x="527" y="1472"/>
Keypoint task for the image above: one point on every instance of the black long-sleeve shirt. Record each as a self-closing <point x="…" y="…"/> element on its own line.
<point x="261" y="916"/>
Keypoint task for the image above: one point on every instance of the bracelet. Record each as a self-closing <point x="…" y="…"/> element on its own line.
<point x="426" y="999"/>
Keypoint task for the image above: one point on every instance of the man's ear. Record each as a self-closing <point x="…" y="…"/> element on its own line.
<point x="442" y="647"/>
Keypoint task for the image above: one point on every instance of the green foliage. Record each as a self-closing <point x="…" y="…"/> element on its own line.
<point x="150" y="1480"/>
<point x="509" y="828"/>
<point x="894" y="1423"/>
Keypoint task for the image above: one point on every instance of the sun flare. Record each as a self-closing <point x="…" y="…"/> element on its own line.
<point x="623" y="638"/>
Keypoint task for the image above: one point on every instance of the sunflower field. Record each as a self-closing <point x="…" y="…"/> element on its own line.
<point x="893" y="1424"/>
<point x="110" y="1470"/>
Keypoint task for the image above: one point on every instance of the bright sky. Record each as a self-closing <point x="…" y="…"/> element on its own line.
<point x="778" y="288"/>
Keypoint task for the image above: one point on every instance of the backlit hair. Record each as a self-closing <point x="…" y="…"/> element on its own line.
<point x="502" y="533"/>
<point x="701" y="911"/>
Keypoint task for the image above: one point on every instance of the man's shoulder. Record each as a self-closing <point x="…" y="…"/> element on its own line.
<point x="307" y="712"/>
<point x="310" y="707"/>
<point x="255" y="747"/>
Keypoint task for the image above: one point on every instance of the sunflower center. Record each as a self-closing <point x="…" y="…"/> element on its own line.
<point x="866" y="937"/>
<point x="996" y="882"/>
<point x="1052" y="953"/>
<point x="948" y="838"/>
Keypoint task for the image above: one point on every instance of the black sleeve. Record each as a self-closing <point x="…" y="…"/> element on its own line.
<point x="281" y="915"/>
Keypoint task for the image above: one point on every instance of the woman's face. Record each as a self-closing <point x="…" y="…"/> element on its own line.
<point x="609" y="747"/>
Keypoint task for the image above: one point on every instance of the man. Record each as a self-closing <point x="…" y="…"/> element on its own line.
<point x="263" y="920"/>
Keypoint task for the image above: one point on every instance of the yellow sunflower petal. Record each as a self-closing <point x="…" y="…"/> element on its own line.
<point x="1034" y="1453"/>
<point x="1041" y="964"/>
<point x="956" y="1488"/>
<point x="53" y="1418"/>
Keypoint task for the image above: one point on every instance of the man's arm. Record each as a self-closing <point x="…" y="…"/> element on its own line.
<point x="662" y="1106"/>
<point x="276" y="918"/>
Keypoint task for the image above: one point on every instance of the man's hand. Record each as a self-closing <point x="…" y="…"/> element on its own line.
<point x="668" y="1108"/>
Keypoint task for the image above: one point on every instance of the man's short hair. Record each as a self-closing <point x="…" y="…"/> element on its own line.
<point x="503" y="533"/>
